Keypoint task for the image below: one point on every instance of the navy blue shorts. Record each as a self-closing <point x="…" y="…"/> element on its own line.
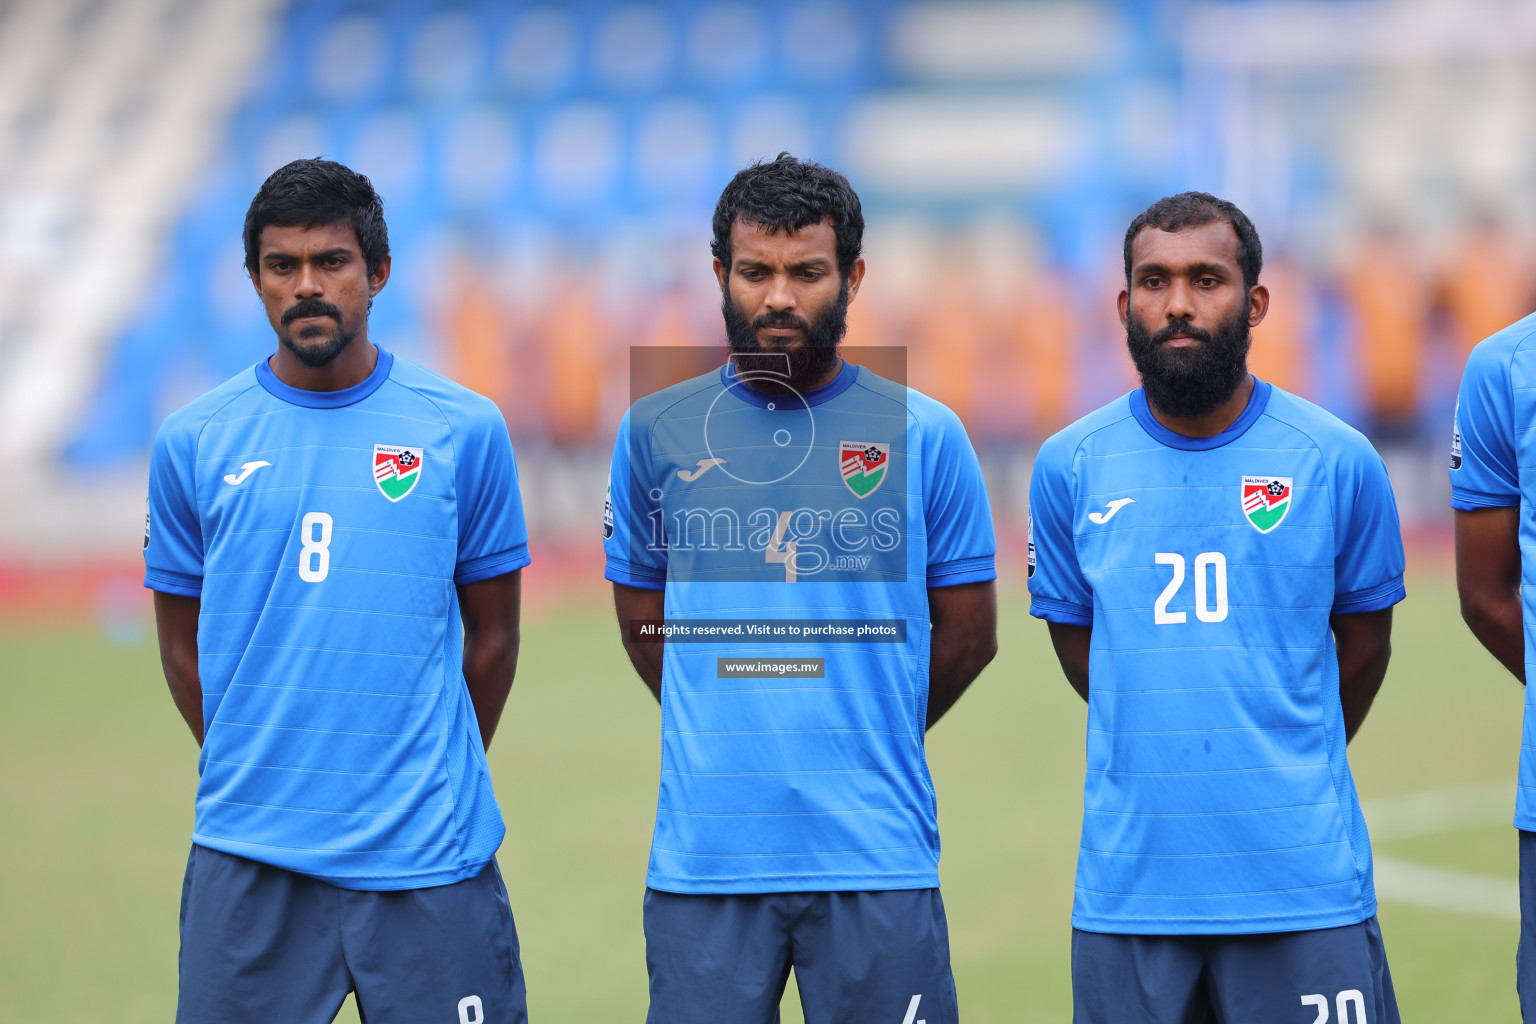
<point x="1338" y="975"/>
<point x="263" y="945"/>
<point x="1525" y="953"/>
<point x="858" y="957"/>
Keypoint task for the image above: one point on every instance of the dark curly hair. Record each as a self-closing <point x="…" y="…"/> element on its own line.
<point x="314" y="193"/>
<point x="1192" y="209"/>
<point x="786" y="194"/>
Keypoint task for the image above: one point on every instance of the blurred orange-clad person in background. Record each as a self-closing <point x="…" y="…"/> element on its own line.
<point x="1025" y="388"/>
<point x="679" y="348"/>
<point x="1486" y="285"/>
<point x="576" y="347"/>
<point x="1024" y="355"/>
<point x="1279" y="353"/>
<point x="869" y="323"/>
<point x="1103" y="368"/>
<point x="944" y="351"/>
<point x="1044" y="340"/>
<point x="876" y="338"/>
<point x="478" y="339"/>
<point x="881" y="324"/>
<point x="1389" y="295"/>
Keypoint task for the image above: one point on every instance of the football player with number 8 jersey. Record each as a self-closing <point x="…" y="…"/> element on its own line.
<point x="1217" y="561"/>
<point x="334" y="539"/>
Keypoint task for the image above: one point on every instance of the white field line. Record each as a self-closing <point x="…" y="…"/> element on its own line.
<point x="1461" y="892"/>
<point x="1443" y="809"/>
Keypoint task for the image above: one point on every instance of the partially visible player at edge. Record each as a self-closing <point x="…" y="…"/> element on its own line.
<point x="1218" y="561"/>
<point x="335" y="539"/>
<point x="1493" y="490"/>
<point x="797" y="825"/>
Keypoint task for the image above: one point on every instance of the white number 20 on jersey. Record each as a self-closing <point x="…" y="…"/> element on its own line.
<point x="315" y="551"/>
<point x="1210" y="588"/>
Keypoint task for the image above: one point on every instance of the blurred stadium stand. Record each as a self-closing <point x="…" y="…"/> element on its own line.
<point x="549" y="169"/>
<point x="111" y="111"/>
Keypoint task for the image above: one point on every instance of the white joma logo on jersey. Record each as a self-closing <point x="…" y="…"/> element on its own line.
<point x="688" y="476"/>
<point x="245" y="471"/>
<point x="1115" y="506"/>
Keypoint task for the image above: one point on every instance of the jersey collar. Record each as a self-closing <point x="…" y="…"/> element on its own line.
<point x="1255" y="408"/>
<point x="816" y="396"/>
<point x="327" y="399"/>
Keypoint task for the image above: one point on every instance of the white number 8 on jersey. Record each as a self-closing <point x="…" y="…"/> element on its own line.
<point x="314" y="553"/>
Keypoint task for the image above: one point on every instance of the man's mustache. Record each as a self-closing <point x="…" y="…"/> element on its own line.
<point x="1182" y="329"/>
<point x="310" y="307"/>
<point x="783" y="320"/>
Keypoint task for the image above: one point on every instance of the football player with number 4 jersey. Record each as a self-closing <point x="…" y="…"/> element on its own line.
<point x="790" y="493"/>
<point x="1217" y="561"/>
<point x="334" y="539"/>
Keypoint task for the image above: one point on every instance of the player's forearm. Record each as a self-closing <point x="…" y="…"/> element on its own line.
<point x="1488" y="571"/>
<point x="954" y="663"/>
<point x="1496" y="620"/>
<point x="646" y="657"/>
<point x="187" y="693"/>
<point x="1358" y="689"/>
<point x="963" y="641"/>
<point x="492" y="614"/>
<point x="176" y="618"/>
<point x="1073" y="644"/>
<point x="640" y="604"/>
<point x="490" y="665"/>
<point x="1363" y="646"/>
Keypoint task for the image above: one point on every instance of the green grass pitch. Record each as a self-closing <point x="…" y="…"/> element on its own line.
<point x="97" y="776"/>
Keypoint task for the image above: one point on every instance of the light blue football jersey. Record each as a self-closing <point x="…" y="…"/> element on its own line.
<point x="845" y="505"/>
<point x="1493" y="465"/>
<point x="324" y="533"/>
<point x="1218" y="798"/>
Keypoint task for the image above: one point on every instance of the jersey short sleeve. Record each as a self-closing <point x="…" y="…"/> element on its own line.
<point x="962" y="547"/>
<point x="628" y="558"/>
<point x="1058" y="590"/>
<point x="1368" y="561"/>
<point x="173" y="537"/>
<point x="1484" y="469"/>
<point x="493" y="535"/>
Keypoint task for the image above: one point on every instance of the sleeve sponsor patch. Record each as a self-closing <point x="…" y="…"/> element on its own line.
<point x="1031" y="534"/>
<point x="1456" y="438"/>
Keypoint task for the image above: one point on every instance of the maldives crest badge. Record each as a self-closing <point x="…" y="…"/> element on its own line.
<point x="1266" y="500"/>
<point x="864" y="465"/>
<point x="396" y="469"/>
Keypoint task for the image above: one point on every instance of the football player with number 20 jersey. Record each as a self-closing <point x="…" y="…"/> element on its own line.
<point x="1217" y="561"/>
<point x="334" y="539"/>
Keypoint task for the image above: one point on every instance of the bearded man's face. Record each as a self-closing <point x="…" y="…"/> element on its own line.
<point x="785" y="303"/>
<point x="1188" y="314"/>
